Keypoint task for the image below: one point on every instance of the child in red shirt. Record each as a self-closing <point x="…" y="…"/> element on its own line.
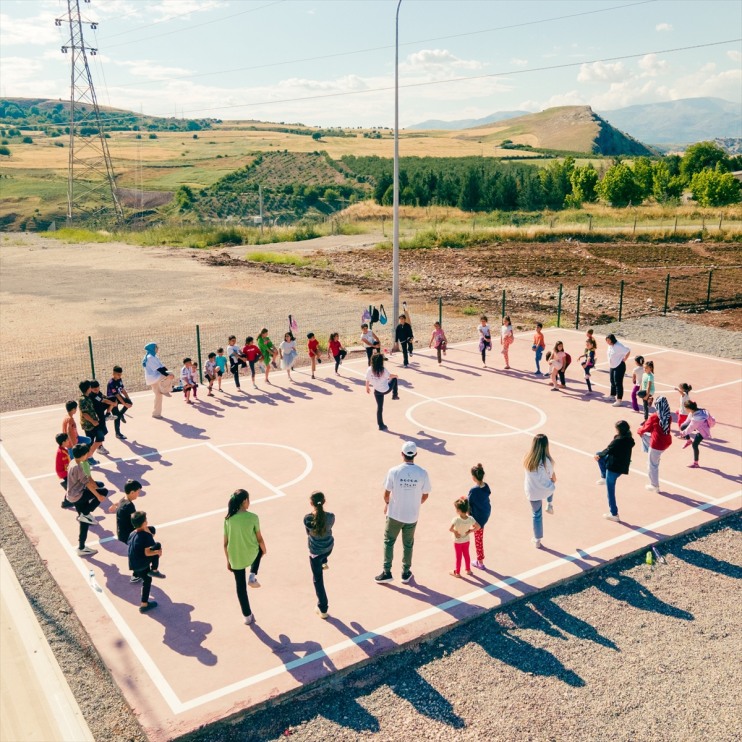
<point x="313" y="348"/>
<point x="252" y="353"/>
<point x="336" y="350"/>
<point x="62" y="463"/>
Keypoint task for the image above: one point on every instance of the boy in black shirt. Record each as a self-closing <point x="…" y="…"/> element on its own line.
<point x="115" y="392"/>
<point x="102" y="407"/>
<point x="142" y="549"/>
<point x="403" y="336"/>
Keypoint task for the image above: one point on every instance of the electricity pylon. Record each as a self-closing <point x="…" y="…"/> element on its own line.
<point x="91" y="187"/>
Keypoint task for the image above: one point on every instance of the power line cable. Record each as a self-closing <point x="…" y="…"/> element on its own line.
<point x="335" y="55"/>
<point x="196" y="25"/>
<point x="129" y="116"/>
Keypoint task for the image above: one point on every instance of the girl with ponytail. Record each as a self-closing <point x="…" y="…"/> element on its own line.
<point x="479" y="503"/>
<point x="318" y="525"/>
<point x="244" y="547"/>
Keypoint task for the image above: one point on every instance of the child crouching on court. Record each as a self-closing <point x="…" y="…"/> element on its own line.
<point x="461" y="526"/>
<point x="143" y="549"/>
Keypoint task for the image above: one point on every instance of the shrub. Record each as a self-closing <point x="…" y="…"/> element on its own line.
<point x="5" y="151"/>
<point x="27" y="140"/>
<point x="153" y="136"/>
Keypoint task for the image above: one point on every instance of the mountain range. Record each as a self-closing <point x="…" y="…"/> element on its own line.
<point x="683" y="121"/>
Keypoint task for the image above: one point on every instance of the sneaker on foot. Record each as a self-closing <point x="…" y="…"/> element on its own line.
<point x="384" y="577"/>
<point x="694" y="465"/>
<point x="536" y="542"/>
<point x="686" y="444"/>
<point x="121" y="436"/>
<point x="87" y="519"/>
<point x="249" y="619"/>
<point x="66" y="504"/>
<point x="322" y="614"/>
<point x="476" y="563"/>
<point x="383" y="427"/>
<point x="133" y="580"/>
<point x="86" y="551"/>
<point x="150" y="605"/>
<point x="252" y="580"/>
<point x="550" y="509"/>
<point x="600" y="481"/>
<point x="325" y="566"/>
<point x="103" y="450"/>
<point x="617" y="403"/>
<point x="454" y="574"/>
<point x="469" y="572"/>
<point x="156" y="573"/>
<point x="614" y="518"/>
<point x="406" y="576"/>
<point x="93" y="462"/>
<point x="651" y="488"/>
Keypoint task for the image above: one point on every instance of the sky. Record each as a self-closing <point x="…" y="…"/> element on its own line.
<point x="331" y="62"/>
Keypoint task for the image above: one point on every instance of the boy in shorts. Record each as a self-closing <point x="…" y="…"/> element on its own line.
<point x="186" y="380"/>
<point x="89" y="420"/>
<point x="221" y="366"/>
<point x="210" y="372"/>
<point x="252" y="353"/>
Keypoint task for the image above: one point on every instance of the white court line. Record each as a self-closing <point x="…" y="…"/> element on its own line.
<point x="718" y="386"/>
<point x="81" y="565"/>
<point x="447" y="605"/>
<point x="112" y="462"/>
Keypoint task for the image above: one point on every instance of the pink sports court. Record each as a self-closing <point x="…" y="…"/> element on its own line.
<point x="192" y="660"/>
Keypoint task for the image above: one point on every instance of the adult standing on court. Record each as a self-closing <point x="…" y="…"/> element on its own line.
<point x="656" y="438"/>
<point x="244" y="547"/>
<point x="156" y="377"/>
<point x="615" y="460"/>
<point x="318" y="525"/>
<point x="617" y="355"/>
<point x="404" y="336"/>
<point x="406" y="488"/>
<point x="382" y="382"/>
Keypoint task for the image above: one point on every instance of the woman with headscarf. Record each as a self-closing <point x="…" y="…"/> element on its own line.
<point x="156" y="377"/>
<point x="656" y="438"/>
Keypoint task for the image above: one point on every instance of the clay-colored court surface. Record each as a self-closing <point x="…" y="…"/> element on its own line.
<point x="192" y="660"/>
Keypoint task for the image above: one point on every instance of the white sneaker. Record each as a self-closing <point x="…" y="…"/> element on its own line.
<point x="536" y="542"/>
<point x="321" y="614"/>
<point x="103" y="450"/>
<point x="550" y="509"/>
<point x="87" y="519"/>
<point x="617" y="403"/>
<point x="86" y="551"/>
<point x="614" y="518"/>
<point x="651" y="488"/>
<point x="249" y="619"/>
<point x="252" y="580"/>
<point x="600" y="481"/>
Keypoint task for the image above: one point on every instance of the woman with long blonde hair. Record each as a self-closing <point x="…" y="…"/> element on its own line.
<point x="539" y="483"/>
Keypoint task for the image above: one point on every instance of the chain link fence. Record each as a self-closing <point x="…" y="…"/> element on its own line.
<point x="34" y="375"/>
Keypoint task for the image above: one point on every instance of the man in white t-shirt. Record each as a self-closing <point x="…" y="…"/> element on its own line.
<point x="406" y="488"/>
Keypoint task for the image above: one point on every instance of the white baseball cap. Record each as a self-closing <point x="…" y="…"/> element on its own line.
<point x="409" y="449"/>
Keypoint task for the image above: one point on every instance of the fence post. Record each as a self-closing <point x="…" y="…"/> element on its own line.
<point x="577" y="315"/>
<point x="559" y="307"/>
<point x="503" y="303"/>
<point x="667" y="292"/>
<point x="633" y="231"/>
<point x="198" y="353"/>
<point x="721" y="218"/>
<point x="92" y="362"/>
<point x="440" y="311"/>
<point x="590" y="223"/>
<point x="708" y="291"/>
<point x="703" y="224"/>
<point x="675" y="226"/>
<point x="620" y="302"/>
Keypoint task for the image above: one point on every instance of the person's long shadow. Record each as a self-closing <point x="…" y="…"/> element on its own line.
<point x="371" y="643"/>
<point x="431" y="443"/>
<point x="298" y="393"/>
<point x="182" y="635"/>
<point x="572" y="625"/>
<point x="432" y="374"/>
<point x="458" y="367"/>
<point x="525" y="657"/>
<point x="306" y="661"/>
<point x="207" y="408"/>
<point x="337" y="384"/>
<point x="706" y="561"/>
<point x="186" y="430"/>
<point x="736" y="478"/>
<point x="446" y="603"/>
<point x="716" y="510"/>
<point x="582" y="560"/>
<point x="627" y="589"/>
<point x="311" y="387"/>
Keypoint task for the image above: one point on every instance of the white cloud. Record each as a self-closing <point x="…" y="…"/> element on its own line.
<point x="602" y="72"/>
<point x="518" y="62"/>
<point x="651" y="66"/>
<point x="663" y="27"/>
<point x="735" y="56"/>
<point x="38" y="29"/>
<point x="437" y="61"/>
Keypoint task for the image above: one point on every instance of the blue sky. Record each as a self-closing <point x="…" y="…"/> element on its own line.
<point x="331" y="62"/>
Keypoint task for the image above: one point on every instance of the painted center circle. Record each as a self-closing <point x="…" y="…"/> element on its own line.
<point x="476" y="416"/>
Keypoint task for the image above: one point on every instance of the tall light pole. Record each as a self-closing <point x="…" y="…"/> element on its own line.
<point x="395" y="207"/>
